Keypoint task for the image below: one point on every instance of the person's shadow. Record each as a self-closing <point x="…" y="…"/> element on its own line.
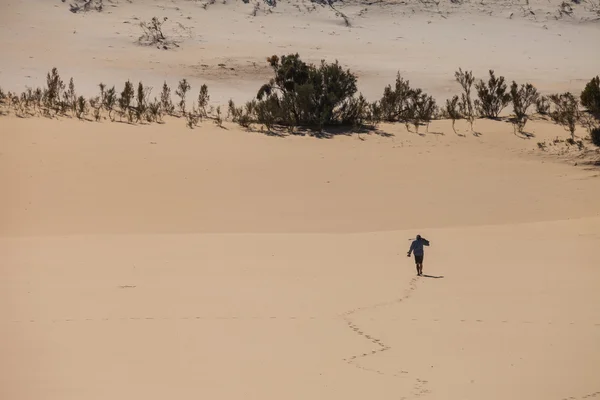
<point x="431" y="276"/>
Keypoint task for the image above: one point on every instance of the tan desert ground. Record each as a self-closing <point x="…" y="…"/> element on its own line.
<point x="154" y="261"/>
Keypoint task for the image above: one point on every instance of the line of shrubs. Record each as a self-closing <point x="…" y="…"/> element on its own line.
<point x="317" y="96"/>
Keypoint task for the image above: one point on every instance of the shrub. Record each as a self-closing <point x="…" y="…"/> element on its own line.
<point x="304" y="94"/>
<point x="143" y="93"/>
<point x="165" y="100"/>
<point x="422" y="108"/>
<point x="96" y="105"/>
<point x="218" y="117"/>
<point x="355" y="112"/>
<point x="82" y="108"/>
<point x="566" y="112"/>
<point x="155" y="111"/>
<point x="191" y="118"/>
<point x="181" y="91"/>
<point x="203" y="99"/>
<point x="109" y="100"/>
<point x="590" y="96"/>
<point x="125" y="101"/>
<point x="493" y="97"/>
<point x="86" y="5"/>
<point x="452" y="110"/>
<point x="589" y="121"/>
<point x="394" y="104"/>
<point x="52" y="93"/>
<point x="542" y="105"/>
<point x="466" y="79"/>
<point x="595" y="136"/>
<point x="522" y="98"/>
<point x="70" y="97"/>
<point x="152" y="31"/>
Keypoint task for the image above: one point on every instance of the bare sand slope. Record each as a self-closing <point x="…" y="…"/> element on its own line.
<point x="110" y="290"/>
<point x="303" y="315"/>
<point x="71" y="177"/>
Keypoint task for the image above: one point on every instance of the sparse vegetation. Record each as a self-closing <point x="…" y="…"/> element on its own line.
<point x="313" y="96"/>
<point x="493" y="96"/>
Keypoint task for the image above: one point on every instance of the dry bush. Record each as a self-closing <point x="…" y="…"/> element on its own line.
<point x="86" y="5"/>
<point x="153" y="34"/>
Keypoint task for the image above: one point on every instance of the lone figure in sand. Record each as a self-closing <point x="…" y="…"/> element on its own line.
<point x="416" y="247"/>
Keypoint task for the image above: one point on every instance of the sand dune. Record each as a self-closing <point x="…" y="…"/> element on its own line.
<point x="155" y="261"/>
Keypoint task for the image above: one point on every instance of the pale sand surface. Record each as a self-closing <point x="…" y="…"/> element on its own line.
<point x="153" y="262"/>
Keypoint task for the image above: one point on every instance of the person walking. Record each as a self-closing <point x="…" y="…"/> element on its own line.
<point x="416" y="248"/>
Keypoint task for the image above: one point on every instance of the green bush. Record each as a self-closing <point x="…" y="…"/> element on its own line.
<point x="522" y="98"/>
<point x="566" y="111"/>
<point x="595" y="136"/>
<point x="590" y="96"/>
<point x="303" y="94"/>
<point x="465" y="106"/>
<point x="394" y="104"/>
<point x="493" y="97"/>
